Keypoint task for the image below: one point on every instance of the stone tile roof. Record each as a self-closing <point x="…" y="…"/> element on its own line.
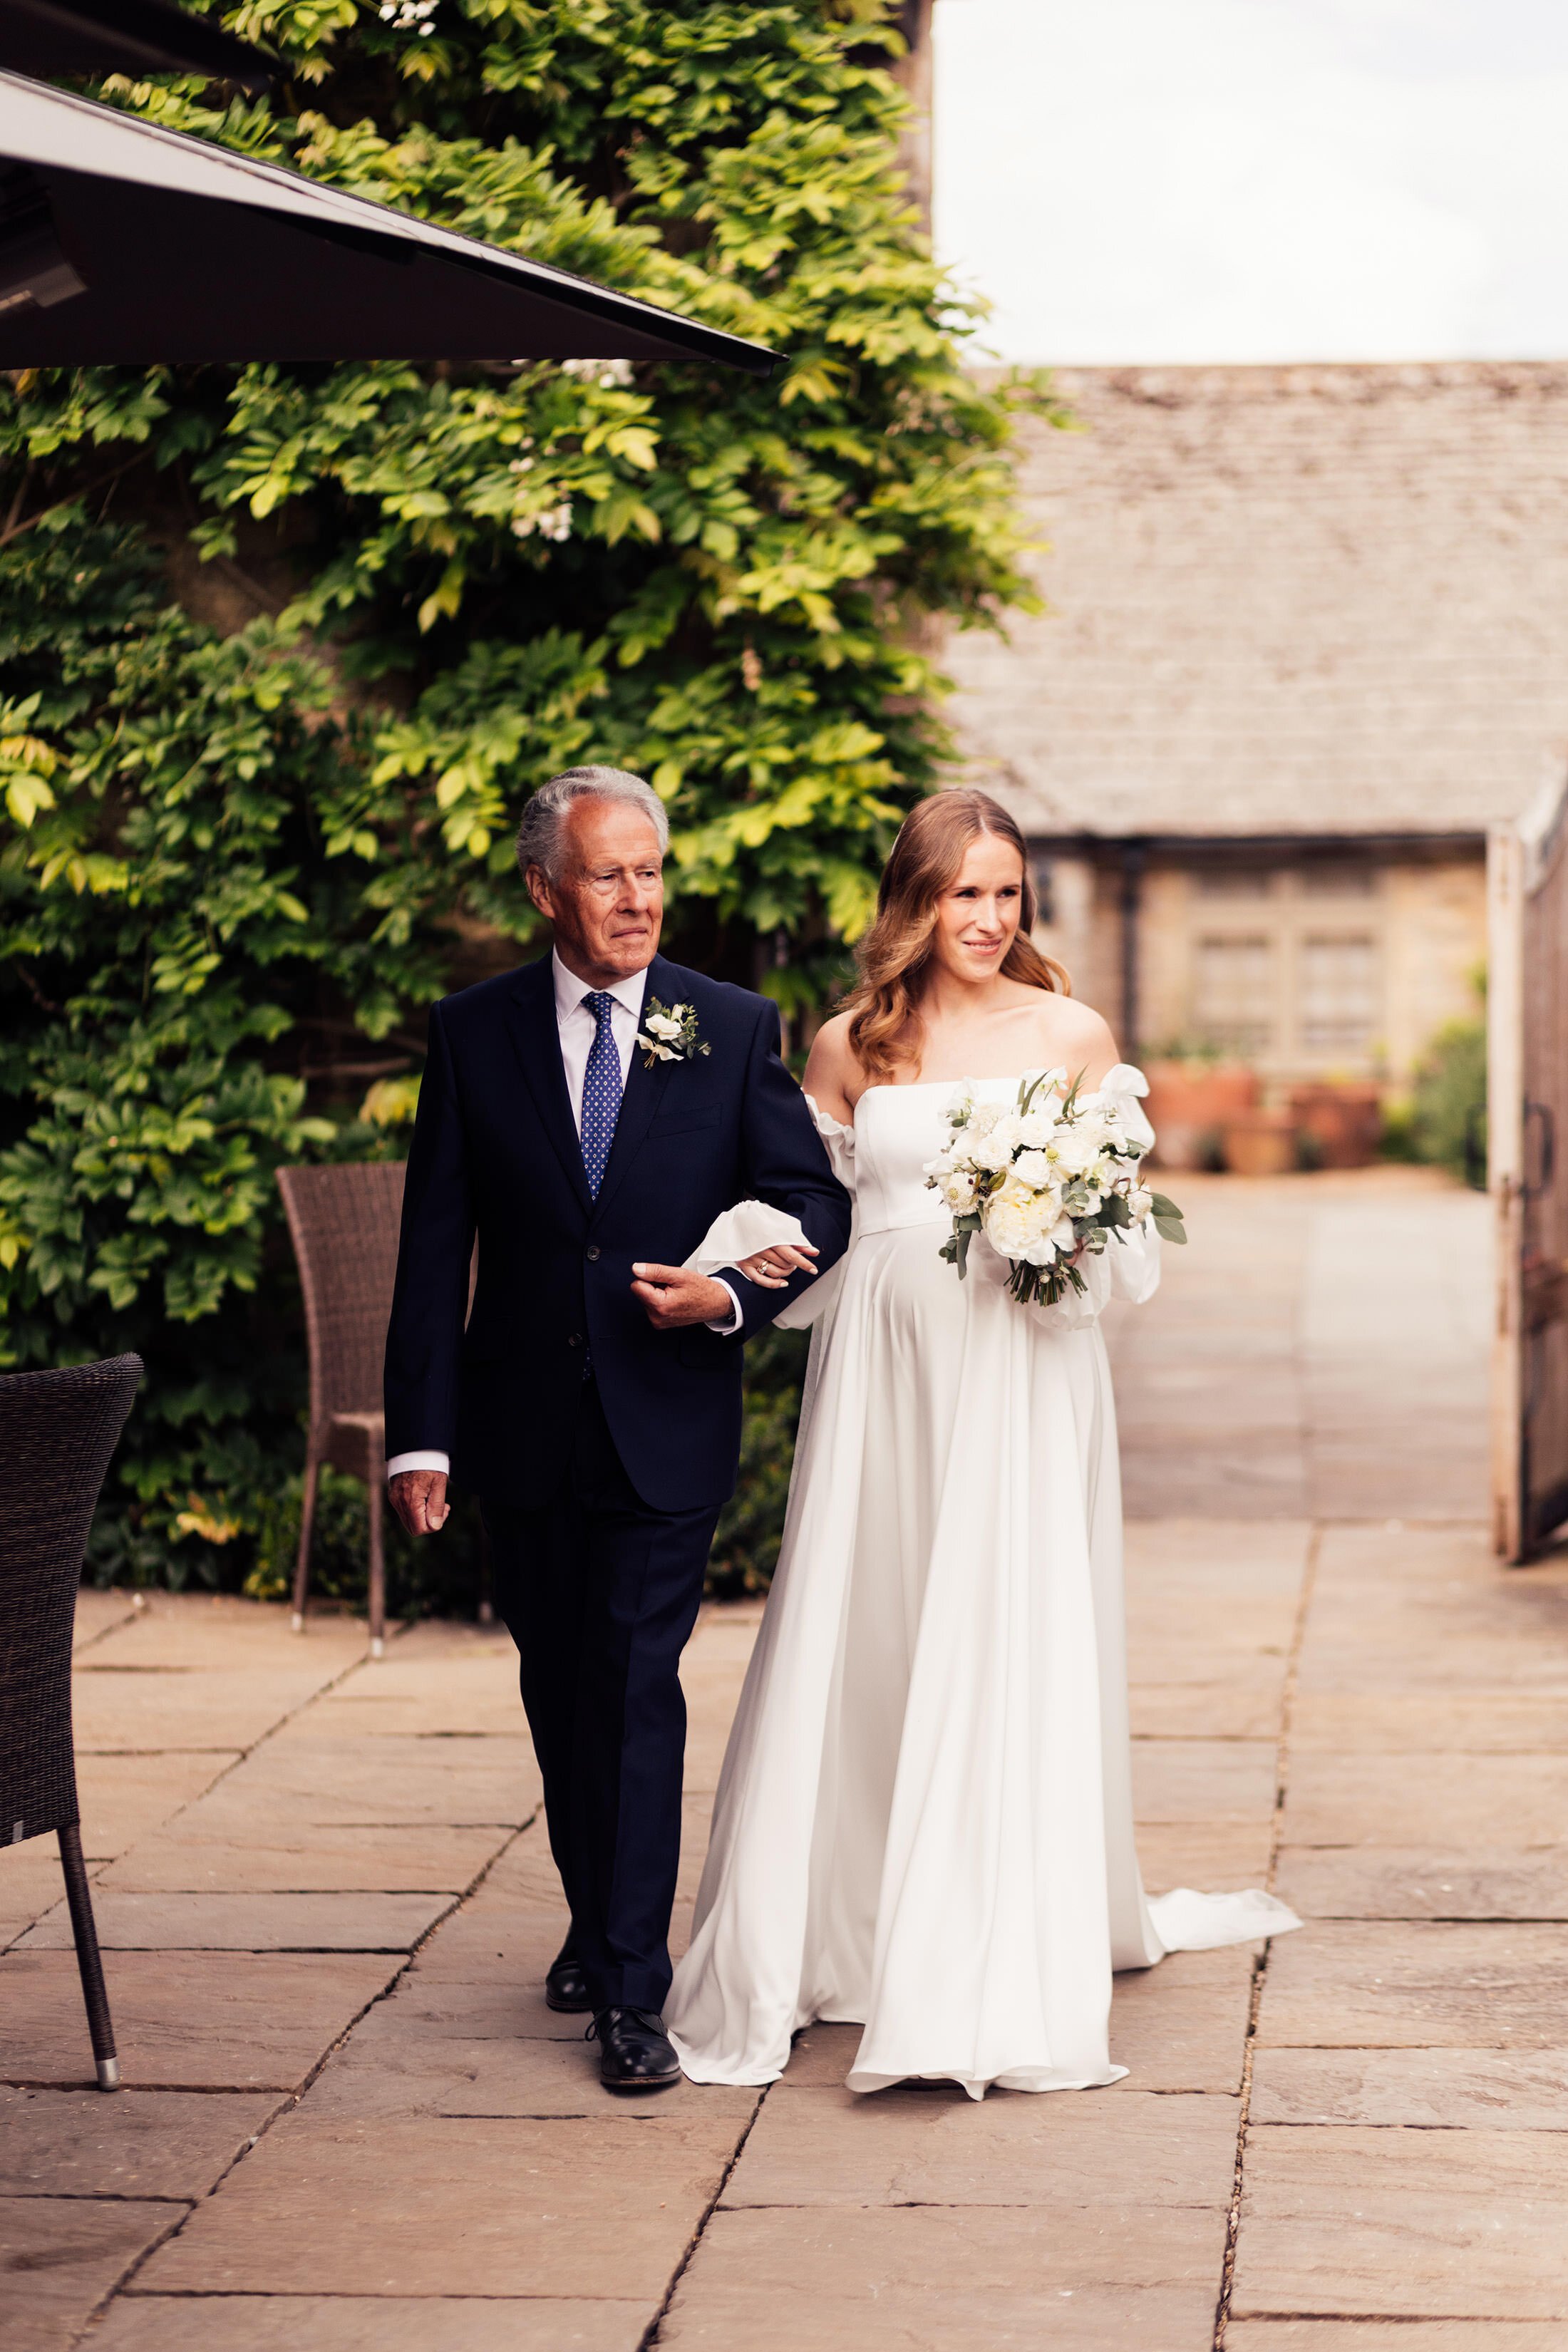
<point x="1311" y="599"/>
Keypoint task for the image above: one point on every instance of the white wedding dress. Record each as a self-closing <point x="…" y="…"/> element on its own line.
<point x="925" y="1821"/>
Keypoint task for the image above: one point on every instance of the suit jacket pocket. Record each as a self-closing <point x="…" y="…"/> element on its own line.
<point x="701" y="1352"/>
<point x="681" y="1117"/>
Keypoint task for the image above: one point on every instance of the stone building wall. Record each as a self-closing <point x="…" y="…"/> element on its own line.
<point x="1306" y="980"/>
<point x="1316" y="605"/>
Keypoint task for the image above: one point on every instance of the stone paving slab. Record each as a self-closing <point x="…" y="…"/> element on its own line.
<point x="711" y="1673"/>
<point x="1179" y="2027"/>
<point x="1395" y="1722"/>
<point x="124" y="1797"/>
<point x="1213" y="1857"/>
<point x="935" y="2146"/>
<point x="437" y="1680"/>
<point x="1182" y="2026"/>
<point x="1190" y="1471"/>
<point x="196" y="2021"/>
<point x="30" y="1880"/>
<point x="383" y="2323"/>
<point x="149" y="1710"/>
<point x="143" y="2144"/>
<point x="1424" y="2224"/>
<point x="1412" y="1984"/>
<point x="1389" y="2335"/>
<point x="1244" y="1706"/>
<point x="1435" y="2089"/>
<point x="1203" y="1781"/>
<point x="1427" y="1800"/>
<point x="384" y="1781"/>
<point x="1424" y="1663"/>
<point x="61" y="2256"/>
<point x="505" y="2005"/>
<point x="246" y="1922"/>
<point x="239" y="1854"/>
<point x="427" y="2207"/>
<point x="389" y="2067"/>
<point x="924" y="2279"/>
<point x="1383" y="1883"/>
<point x="183" y="1630"/>
<point x="96" y="1612"/>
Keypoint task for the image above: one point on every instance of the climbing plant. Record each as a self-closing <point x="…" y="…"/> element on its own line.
<point x="284" y="648"/>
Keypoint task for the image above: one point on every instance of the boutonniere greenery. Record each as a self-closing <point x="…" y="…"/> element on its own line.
<point x="668" y="1034"/>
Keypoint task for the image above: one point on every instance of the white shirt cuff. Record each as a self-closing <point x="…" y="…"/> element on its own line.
<point x="733" y="1322"/>
<point x="401" y="1462"/>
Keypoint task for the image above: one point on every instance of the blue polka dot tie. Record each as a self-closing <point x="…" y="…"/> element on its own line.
<point x="600" y="1091"/>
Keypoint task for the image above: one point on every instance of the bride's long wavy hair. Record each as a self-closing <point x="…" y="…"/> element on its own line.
<point x="893" y="953"/>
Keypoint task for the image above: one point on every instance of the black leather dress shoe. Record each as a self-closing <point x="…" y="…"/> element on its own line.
<point x="635" y="2051"/>
<point x="566" y="1986"/>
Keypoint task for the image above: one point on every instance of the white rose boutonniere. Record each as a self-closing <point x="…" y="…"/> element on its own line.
<point x="669" y="1034"/>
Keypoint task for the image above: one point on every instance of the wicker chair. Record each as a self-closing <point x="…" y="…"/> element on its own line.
<point x="345" y="1225"/>
<point x="57" y="1431"/>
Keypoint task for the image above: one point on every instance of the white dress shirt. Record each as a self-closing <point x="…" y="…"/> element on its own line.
<point x="577" y="1028"/>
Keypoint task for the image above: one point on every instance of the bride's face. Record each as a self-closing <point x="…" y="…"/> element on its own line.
<point x="978" y="914"/>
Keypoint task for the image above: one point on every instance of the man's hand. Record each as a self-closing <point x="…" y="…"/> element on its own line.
<point x="419" y="1498"/>
<point x="672" y="1298"/>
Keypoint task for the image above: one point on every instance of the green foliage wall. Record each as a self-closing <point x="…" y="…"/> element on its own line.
<point x="283" y="649"/>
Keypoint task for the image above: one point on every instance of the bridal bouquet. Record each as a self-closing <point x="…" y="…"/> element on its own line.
<point x="1048" y="1183"/>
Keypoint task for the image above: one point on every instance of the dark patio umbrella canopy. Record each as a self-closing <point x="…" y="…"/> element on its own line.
<point x="46" y="38"/>
<point x="124" y="244"/>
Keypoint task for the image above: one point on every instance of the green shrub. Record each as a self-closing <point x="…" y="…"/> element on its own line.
<point x="1447" y="1119"/>
<point x="746" y="1540"/>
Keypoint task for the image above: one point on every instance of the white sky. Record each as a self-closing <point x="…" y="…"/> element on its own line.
<point x="1258" y="180"/>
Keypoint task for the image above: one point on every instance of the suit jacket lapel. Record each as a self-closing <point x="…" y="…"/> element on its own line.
<point x="536" y="1039"/>
<point x="644" y="1091"/>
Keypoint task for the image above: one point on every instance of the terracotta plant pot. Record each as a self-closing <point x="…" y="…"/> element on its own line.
<point x="1260" y="1143"/>
<point x="1343" y="1123"/>
<point x="1189" y="1104"/>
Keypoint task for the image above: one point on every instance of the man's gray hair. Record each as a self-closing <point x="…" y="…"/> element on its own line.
<point x="541" y="835"/>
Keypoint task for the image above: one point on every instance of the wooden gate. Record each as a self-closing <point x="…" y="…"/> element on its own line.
<point x="1527" y="1025"/>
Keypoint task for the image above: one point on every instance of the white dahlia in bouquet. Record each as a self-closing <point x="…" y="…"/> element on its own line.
<point x="1051" y="1180"/>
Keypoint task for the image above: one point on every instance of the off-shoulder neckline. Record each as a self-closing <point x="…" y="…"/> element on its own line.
<point x="923" y="1085"/>
<point x="1005" y="1078"/>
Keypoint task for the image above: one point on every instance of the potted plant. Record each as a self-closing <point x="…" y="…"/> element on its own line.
<point x="1342" y="1120"/>
<point x="1193" y="1092"/>
<point x="1260" y="1142"/>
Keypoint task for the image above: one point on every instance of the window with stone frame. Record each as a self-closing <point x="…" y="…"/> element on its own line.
<point x="1338" y="992"/>
<point x="1286" y="964"/>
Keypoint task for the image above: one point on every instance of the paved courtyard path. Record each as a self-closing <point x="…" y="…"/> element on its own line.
<point x="327" y="1902"/>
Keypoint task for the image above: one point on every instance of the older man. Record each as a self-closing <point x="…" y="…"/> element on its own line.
<point x="589" y="1117"/>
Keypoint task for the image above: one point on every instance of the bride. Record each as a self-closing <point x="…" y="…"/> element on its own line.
<point x="925" y="1821"/>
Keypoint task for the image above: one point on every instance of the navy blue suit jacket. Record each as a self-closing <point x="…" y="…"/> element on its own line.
<point x="496" y="1152"/>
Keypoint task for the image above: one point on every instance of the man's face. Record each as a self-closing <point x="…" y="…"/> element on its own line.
<point x="607" y="902"/>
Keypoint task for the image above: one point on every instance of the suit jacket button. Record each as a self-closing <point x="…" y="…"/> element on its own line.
<point x="575" y="1339"/>
<point x="592" y="1251"/>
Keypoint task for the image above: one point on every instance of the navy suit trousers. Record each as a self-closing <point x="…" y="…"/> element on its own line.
<point x="600" y="1593"/>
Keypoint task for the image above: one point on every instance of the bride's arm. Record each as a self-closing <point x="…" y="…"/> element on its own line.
<point x="832" y="1073"/>
<point x="829" y="1070"/>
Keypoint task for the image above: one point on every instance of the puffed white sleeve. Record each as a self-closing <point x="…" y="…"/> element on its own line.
<point x="1129" y="1266"/>
<point x="1133" y="1258"/>
<point x="818" y="1299"/>
<point x="752" y="1225"/>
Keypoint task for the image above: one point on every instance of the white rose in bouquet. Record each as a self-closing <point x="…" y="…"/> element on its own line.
<point x="1049" y="1182"/>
